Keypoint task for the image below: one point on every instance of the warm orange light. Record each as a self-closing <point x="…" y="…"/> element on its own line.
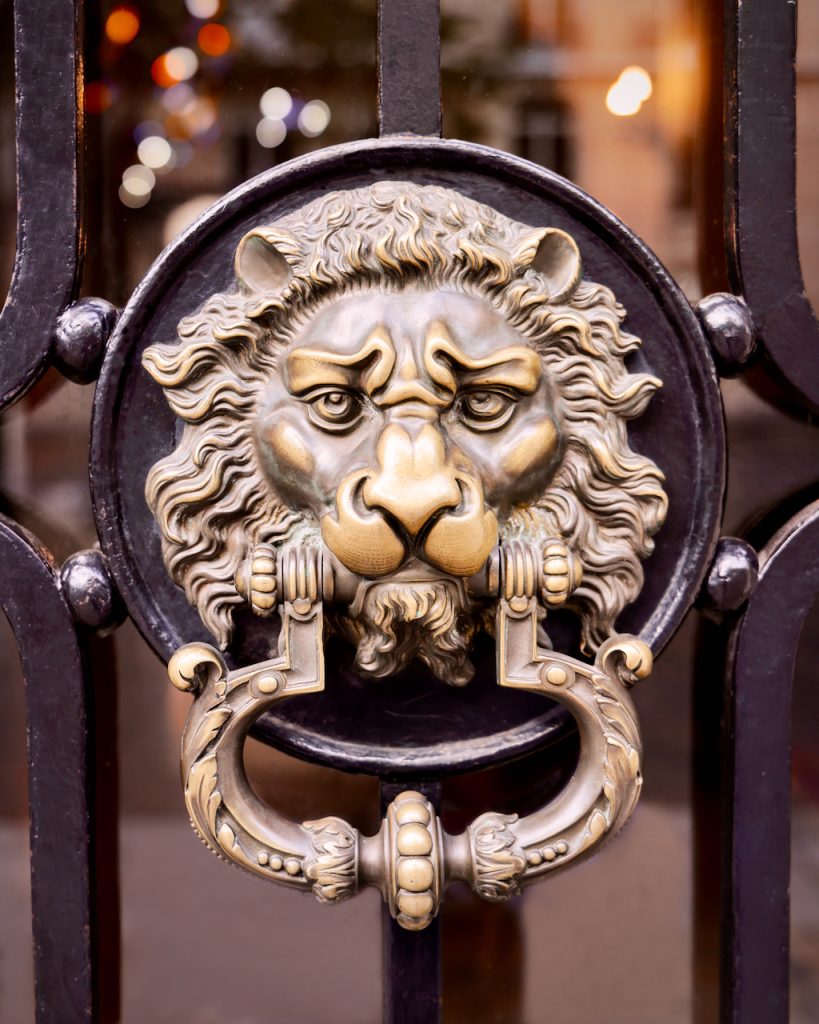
<point x="175" y="66"/>
<point x="161" y="75"/>
<point x="122" y="25"/>
<point x="97" y="97"/>
<point x="627" y="95"/>
<point x="638" y="80"/>
<point x="214" y="39"/>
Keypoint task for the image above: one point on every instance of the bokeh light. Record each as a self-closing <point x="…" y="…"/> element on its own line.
<point x="632" y="88"/>
<point x="181" y="63"/>
<point x="134" y="193"/>
<point x="194" y="119"/>
<point x="178" y="97"/>
<point x="213" y="39"/>
<point x="161" y="75"/>
<point x="183" y="215"/>
<point x="155" y="152"/>
<point x="97" y="97"/>
<point x="271" y="132"/>
<point x="122" y="25"/>
<point x="141" y="174"/>
<point x="314" y="118"/>
<point x="175" y="66"/>
<point x="637" y="80"/>
<point x="276" y="103"/>
<point x="182" y="152"/>
<point x="203" y="8"/>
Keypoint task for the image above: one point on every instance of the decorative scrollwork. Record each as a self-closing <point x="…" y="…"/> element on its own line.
<point x="627" y="658"/>
<point x="223" y="810"/>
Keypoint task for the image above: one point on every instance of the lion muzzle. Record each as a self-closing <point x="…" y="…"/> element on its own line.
<point x="416" y="502"/>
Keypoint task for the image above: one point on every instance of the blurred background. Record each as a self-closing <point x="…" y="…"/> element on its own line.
<point x="185" y="99"/>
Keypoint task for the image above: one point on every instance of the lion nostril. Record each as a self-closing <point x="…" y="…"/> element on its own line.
<point x="454" y="509"/>
<point x="460" y="543"/>
<point x="366" y="543"/>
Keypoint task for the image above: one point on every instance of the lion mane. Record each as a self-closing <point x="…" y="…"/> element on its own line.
<point x="211" y="496"/>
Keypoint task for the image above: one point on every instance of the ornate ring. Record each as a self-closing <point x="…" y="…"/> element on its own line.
<point x="411" y="859"/>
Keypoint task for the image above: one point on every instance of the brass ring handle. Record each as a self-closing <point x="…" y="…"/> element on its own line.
<point x="411" y="859"/>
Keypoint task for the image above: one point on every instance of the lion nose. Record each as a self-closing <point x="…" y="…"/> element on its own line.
<point x="415" y="482"/>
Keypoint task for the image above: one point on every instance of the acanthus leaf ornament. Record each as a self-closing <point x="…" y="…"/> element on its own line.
<point x="333" y="867"/>
<point x="411" y="410"/>
<point x="499" y="862"/>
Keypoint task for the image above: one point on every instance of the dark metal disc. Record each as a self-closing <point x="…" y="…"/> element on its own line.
<point x="413" y="724"/>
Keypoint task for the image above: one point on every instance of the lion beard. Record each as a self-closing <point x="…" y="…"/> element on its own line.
<point x="397" y="622"/>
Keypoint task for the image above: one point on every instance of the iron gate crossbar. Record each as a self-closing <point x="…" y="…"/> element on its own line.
<point x="759" y="197"/>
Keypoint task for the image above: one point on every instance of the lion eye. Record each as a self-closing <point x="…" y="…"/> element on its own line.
<point x="487" y="410"/>
<point x="335" y="410"/>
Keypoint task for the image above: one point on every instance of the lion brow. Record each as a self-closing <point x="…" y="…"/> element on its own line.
<point x="308" y="368"/>
<point x="516" y="366"/>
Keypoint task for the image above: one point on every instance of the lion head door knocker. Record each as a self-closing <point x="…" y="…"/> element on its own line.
<point x="406" y="423"/>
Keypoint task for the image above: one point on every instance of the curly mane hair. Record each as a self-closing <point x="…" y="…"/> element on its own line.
<point x="211" y="496"/>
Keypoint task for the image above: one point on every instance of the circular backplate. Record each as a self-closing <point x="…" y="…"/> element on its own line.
<point x="411" y="724"/>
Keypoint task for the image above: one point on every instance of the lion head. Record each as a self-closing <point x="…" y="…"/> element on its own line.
<point x="407" y="377"/>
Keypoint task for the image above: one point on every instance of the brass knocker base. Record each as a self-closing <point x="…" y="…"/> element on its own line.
<point x="412" y="859"/>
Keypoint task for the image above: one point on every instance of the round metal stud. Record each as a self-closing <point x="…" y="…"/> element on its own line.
<point x="556" y="675"/>
<point x="412" y="811"/>
<point x="414" y="874"/>
<point x="732" y="575"/>
<point x="412" y="840"/>
<point x="730" y="331"/>
<point x="90" y="591"/>
<point x="80" y="338"/>
<point x="269" y="682"/>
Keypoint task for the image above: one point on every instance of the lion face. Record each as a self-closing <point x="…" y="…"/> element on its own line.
<point x="407" y="424"/>
<point x="406" y="377"/>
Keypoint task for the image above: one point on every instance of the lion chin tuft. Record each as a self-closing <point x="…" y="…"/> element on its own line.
<point x="398" y="622"/>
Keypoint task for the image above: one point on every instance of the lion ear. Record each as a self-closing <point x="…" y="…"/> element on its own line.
<point x="554" y="254"/>
<point x="260" y="264"/>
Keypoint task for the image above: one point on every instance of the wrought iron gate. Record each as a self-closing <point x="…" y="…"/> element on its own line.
<point x="754" y="592"/>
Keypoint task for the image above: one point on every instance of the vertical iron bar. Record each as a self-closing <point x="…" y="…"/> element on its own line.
<point x="707" y="789"/>
<point x="55" y="667"/>
<point x="760" y="189"/>
<point x="409" y="67"/>
<point x="48" y="89"/>
<point x="104" y="812"/>
<point x="709" y="140"/>
<point x="412" y="960"/>
<point x="757" y="804"/>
